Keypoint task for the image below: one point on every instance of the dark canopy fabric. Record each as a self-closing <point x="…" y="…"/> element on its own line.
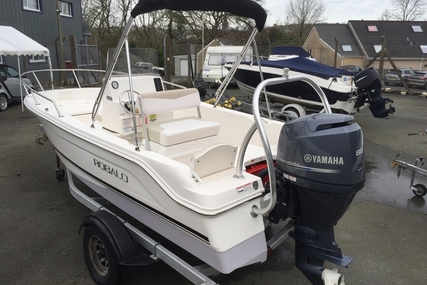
<point x="242" y="8"/>
<point x="304" y="65"/>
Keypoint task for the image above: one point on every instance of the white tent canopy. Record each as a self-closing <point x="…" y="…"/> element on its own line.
<point x="13" y="42"/>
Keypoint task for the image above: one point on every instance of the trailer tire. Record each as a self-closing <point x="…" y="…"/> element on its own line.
<point x="101" y="257"/>
<point x="60" y="174"/>
<point x="421" y="190"/>
<point x="293" y="110"/>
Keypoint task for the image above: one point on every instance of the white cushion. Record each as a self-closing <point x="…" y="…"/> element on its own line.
<point x="168" y="101"/>
<point x="177" y="131"/>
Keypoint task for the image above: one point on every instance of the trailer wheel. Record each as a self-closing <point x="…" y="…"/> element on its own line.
<point x="60" y="174"/>
<point x="293" y="110"/>
<point x="420" y="190"/>
<point x="101" y="257"/>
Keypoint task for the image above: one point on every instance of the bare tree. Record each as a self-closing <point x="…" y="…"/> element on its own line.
<point x="107" y="18"/>
<point x="408" y="10"/>
<point x="215" y="24"/>
<point x="301" y="15"/>
<point x="386" y="15"/>
<point x="305" y="11"/>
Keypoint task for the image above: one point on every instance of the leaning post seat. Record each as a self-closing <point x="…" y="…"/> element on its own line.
<point x="177" y="130"/>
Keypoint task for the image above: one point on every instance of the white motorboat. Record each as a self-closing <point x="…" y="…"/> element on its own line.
<point x="345" y="92"/>
<point x="203" y="176"/>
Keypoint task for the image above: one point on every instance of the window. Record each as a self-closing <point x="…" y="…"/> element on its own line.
<point x="1" y="59"/>
<point x="37" y="58"/>
<point x="215" y="59"/>
<point x="220" y="59"/>
<point x="33" y="5"/>
<point x="423" y="48"/>
<point x="378" y="48"/>
<point x="372" y="28"/>
<point x="65" y="8"/>
<point x="346" y="48"/>
<point x="9" y="72"/>
<point x="417" y="29"/>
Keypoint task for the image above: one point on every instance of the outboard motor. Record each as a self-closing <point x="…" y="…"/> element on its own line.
<point x="369" y="85"/>
<point x="322" y="160"/>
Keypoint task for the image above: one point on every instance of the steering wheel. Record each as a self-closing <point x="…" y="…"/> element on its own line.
<point x="127" y="104"/>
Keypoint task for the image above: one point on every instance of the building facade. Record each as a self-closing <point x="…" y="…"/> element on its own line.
<point x="38" y="20"/>
<point x="359" y="43"/>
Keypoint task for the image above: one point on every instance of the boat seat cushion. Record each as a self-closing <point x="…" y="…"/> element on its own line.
<point x="168" y="133"/>
<point x="169" y="101"/>
<point x="179" y="130"/>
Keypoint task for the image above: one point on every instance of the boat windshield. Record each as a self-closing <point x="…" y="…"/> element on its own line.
<point x="142" y="60"/>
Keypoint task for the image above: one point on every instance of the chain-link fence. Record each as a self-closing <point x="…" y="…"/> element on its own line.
<point x="180" y="54"/>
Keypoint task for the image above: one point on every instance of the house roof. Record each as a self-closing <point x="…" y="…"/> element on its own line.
<point x="403" y="38"/>
<point x="347" y="44"/>
<point x="13" y="42"/>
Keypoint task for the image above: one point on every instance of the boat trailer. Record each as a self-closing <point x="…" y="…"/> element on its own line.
<point x="111" y="229"/>
<point x="418" y="189"/>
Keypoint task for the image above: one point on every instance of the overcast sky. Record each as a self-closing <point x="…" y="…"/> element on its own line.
<point x="336" y="11"/>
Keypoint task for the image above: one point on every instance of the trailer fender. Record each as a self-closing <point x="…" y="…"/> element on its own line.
<point x="127" y="250"/>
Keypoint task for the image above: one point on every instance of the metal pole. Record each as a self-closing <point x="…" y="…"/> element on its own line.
<point x="230" y="74"/>
<point x="61" y="43"/>
<point x="111" y="68"/>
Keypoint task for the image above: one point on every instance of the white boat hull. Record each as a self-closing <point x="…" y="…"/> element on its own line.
<point x="212" y="219"/>
<point x="195" y="173"/>
<point x="225" y="262"/>
<point x="343" y="86"/>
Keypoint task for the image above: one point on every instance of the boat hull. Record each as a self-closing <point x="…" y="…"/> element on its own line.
<point x="140" y="183"/>
<point x="340" y="94"/>
<point x="225" y="262"/>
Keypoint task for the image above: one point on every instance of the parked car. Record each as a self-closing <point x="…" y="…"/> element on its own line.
<point x="351" y="68"/>
<point x="146" y="67"/>
<point x="418" y="80"/>
<point x="10" y="86"/>
<point x="391" y="78"/>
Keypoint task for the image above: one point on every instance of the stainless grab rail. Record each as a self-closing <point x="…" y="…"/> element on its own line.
<point x="73" y="71"/>
<point x="172" y="85"/>
<point x="39" y="84"/>
<point x="27" y="87"/>
<point x="264" y="139"/>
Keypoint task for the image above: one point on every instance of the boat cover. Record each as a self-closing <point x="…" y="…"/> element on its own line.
<point x="243" y="8"/>
<point x="304" y="65"/>
<point x="290" y="51"/>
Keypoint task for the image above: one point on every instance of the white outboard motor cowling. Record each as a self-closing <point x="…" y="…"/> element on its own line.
<point x="322" y="161"/>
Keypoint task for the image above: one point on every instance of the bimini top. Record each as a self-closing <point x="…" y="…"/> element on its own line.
<point x="13" y="42"/>
<point x="243" y="8"/>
